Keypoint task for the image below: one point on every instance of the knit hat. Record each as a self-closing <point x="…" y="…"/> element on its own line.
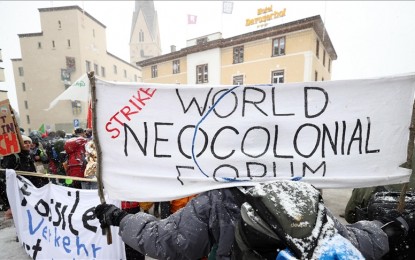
<point x="26" y="138"/>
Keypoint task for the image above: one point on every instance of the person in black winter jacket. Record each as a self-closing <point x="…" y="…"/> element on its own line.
<point x="211" y="219"/>
<point x="21" y="162"/>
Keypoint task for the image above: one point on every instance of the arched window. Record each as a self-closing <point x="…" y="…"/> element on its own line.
<point x="141" y="36"/>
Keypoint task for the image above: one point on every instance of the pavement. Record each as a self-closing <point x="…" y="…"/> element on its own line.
<point x="335" y="200"/>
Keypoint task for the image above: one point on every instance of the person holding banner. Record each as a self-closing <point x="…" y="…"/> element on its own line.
<point x="22" y="162"/>
<point x="211" y="218"/>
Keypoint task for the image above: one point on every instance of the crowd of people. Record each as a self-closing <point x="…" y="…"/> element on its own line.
<point x="59" y="153"/>
<point x="47" y="153"/>
<point x="203" y="226"/>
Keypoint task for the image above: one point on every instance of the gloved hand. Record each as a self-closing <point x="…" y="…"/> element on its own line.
<point x="109" y="215"/>
<point x="396" y="229"/>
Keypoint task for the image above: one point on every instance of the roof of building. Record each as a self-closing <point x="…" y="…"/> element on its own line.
<point x="74" y="7"/>
<point x="71" y="7"/>
<point x="314" y="22"/>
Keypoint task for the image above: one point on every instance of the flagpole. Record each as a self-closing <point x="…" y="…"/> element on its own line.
<point x="91" y="77"/>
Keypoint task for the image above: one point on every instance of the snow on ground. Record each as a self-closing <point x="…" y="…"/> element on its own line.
<point x="10" y="249"/>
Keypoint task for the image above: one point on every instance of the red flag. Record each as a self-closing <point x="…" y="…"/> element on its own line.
<point x="89" y="116"/>
<point x="191" y="19"/>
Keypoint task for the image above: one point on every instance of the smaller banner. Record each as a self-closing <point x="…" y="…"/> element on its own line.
<point x="57" y="222"/>
<point x="9" y="139"/>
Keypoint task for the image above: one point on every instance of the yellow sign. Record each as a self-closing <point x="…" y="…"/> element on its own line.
<point x="264" y="15"/>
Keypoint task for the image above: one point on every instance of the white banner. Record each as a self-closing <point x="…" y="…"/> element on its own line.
<point x="56" y="222"/>
<point x="161" y="142"/>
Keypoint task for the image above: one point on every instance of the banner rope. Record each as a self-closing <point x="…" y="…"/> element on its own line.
<point x="51" y="176"/>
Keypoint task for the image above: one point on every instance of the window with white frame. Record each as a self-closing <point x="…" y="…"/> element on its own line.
<point x="277" y="76"/>
<point x="176" y="66"/>
<point x="202" y="75"/>
<point x="238" y="54"/>
<point x="278" y="46"/>
<point x="238" y="80"/>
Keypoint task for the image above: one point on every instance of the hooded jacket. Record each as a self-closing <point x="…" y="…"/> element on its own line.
<point x="210" y="218"/>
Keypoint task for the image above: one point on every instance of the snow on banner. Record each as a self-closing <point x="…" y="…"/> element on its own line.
<point x="56" y="222"/>
<point x="162" y="142"/>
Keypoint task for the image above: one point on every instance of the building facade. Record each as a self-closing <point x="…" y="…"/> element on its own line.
<point x="298" y="51"/>
<point x="145" y="35"/>
<point x="2" y="79"/>
<point x="71" y="43"/>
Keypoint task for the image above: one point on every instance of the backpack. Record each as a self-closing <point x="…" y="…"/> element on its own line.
<point x="54" y="148"/>
<point x="287" y="219"/>
<point x="75" y="150"/>
<point x="382" y="206"/>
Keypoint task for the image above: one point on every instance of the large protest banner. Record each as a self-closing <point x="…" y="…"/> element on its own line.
<point x="57" y="222"/>
<point x="9" y="138"/>
<point x="162" y="142"/>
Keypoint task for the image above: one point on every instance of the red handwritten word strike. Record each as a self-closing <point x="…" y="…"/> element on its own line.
<point x="134" y="106"/>
<point x="9" y="143"/>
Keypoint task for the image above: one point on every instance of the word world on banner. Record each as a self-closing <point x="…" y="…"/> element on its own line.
<point x="162" y="142"/>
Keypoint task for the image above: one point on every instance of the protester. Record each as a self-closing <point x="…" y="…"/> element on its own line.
<point x="38" y="155"/>
<point x="88" y="134"/>
<point x="75" y="150"/>
<point x="79" y="132"/>
<point x="164" y="209"/>
<point x="131" y="207"/>
<point x="91" y="166"/>
<point x="177" y="204"/>
<point x="22" y="162"/>
<point x="210" y="219"/>
<point x="54" y="147"/>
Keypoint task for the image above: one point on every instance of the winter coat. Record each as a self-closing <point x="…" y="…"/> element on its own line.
<point x="23" y="162"/>
<point x="210" y="219"/>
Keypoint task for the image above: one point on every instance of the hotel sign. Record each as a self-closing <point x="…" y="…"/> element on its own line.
<point x="264" y="15"/>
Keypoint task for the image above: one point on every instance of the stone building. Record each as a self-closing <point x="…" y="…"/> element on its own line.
<point x="297" y="51"/>
<point x="70" y="44"/>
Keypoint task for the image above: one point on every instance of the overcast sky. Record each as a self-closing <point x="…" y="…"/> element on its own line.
<point x="372" y="38"/>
